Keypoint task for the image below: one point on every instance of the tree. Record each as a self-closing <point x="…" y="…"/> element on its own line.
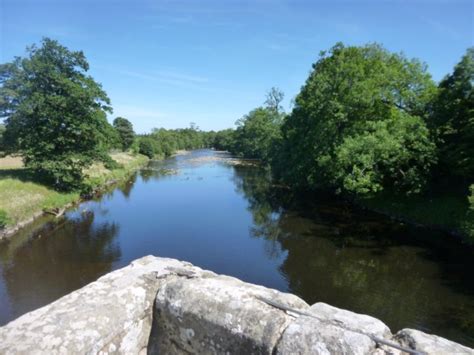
<point x="146" y="147"/>
<point x="55" y="112"/>
<point x="257" y="133"/>
<point x="224" y="140"/>
<point x="274" y="98"/>
<point x="356" y="101"/>
<point x="125" y="131"/>
<point x="453" y="120"/>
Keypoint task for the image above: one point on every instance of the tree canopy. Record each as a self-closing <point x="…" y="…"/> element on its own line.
<point x="358" y="123"/>
<point x="54" y="112"/>
<point x="453" y="119"/>
<point x="125" y="131"/>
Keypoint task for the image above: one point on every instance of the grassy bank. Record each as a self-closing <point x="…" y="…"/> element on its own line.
<point x="22" y="198"/>
<point x="447" y="209"/>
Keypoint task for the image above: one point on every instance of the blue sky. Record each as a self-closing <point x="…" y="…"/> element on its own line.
<point x="166" y="63"/>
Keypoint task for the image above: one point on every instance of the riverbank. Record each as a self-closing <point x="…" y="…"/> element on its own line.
<point x="448" y="211"/>
<point x="22" y="199"/>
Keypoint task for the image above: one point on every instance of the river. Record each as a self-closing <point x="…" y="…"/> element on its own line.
<point x="230" y="219"/>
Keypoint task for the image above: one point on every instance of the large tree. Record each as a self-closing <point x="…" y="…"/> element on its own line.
<point x="358" y="123"/>
<point x="453" y="120"/>
<point x="125" y="131"/>
<point x="55" y="112"/>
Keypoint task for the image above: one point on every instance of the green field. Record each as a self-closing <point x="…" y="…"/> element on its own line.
<point x="21" y="197"/>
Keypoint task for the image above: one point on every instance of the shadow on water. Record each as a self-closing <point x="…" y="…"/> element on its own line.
<point x="49" y="266"/>
<point x="406" y="276"/>
<point x="232" y="220"/>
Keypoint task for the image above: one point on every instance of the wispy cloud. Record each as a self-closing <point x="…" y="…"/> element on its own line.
<point x="169" y="77"/>
<point x="442" y="28"/>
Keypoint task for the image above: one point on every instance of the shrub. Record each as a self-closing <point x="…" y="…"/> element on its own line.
<point x="4" y="220"/>
<point x="146" y="147"/>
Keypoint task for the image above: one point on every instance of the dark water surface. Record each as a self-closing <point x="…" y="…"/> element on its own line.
<point x="230" y="219"/>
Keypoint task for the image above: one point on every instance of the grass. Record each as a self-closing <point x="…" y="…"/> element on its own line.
<point x="446" y="209"/>
<point x="21" y="197"/>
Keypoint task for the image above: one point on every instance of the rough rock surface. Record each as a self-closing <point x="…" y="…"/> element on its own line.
<point x="219" y="315"/>
<point x="159" y="305"/>
<point x="333" y="331"/>
<point x="430" y="344"/>
<point x="308" y="335"/>
<point x="110" y="315"/>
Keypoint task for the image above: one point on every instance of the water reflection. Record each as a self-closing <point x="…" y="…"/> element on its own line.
<point x="232" y="220"/>
<point x="355" y="260"/>
<point x="60" y="258"/>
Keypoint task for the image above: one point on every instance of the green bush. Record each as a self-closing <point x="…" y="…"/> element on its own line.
<point x="4" y="220"/>
<point x="146" y="147"/>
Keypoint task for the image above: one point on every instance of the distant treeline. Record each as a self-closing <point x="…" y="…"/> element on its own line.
<point x="164" y="142"/>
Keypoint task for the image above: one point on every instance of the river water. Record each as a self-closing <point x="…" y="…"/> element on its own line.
<point x="230" y="219"/>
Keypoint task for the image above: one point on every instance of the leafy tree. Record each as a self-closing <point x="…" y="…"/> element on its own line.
<point x="125" y="131"/>
<point x="224" y="140"/>
<point x="453" y="119"/>
<point x="256" y="134"/>
<point x="54" y="112"/>
<point x="382" y="155"/>
<point x="357" y="102"/>
<point x="146" y="147"/>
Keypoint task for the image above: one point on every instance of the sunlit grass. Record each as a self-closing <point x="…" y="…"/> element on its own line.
<point x="21" y="197"/>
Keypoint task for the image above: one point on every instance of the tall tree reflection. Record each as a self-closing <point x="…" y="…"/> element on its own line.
<point x="58" y="261"/>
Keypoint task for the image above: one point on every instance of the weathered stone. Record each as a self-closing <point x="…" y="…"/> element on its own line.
<point x="350" y="320"/>
<point x="197" y="311"/>
<point x="308" y="335"/>
<point x="111" y="315"/>
<point x="333" y="331"/>
<point x="430" y="344"/>
<point x="218" y="315"/>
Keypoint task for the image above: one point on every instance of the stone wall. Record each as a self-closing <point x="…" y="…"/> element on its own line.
<point x="158" y="305"/>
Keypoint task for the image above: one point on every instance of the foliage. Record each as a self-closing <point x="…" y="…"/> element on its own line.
<point x="382" y="156"/>
<point x="224" y="140"/>
<point x="125" y="131"/>
<point x="4" y="220"/>
<point x="55" y="113"/>
<point x="355" y="101"/>
<point x="256" y="134"/>
<point x="2" y="133"/>
<point x="453" y="120"/>
<point x="146" y="147"/>
<point x="165" y="142"/>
